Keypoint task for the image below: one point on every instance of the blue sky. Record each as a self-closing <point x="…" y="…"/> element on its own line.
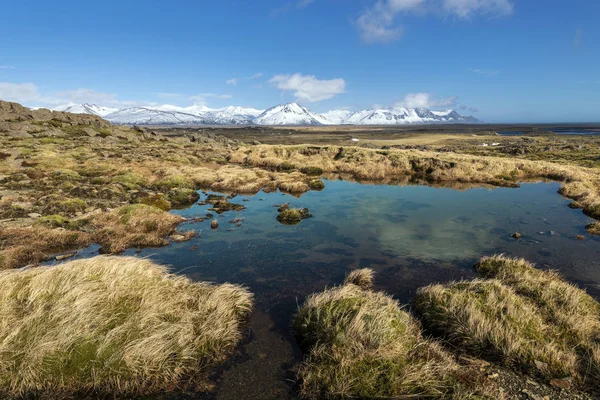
<point x="499" y="60"/>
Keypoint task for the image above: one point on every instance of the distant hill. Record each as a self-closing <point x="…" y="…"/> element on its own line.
<point x="283" y="114"/>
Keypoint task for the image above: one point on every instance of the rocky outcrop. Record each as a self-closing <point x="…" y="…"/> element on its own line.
<point x="15" y="112"/>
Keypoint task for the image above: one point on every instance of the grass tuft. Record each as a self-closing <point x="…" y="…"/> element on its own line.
<point x="529" y="319"/>
<point x="362" y="278"/>
<point x="361" y="344"/>
<point x="116" y="325"/>
<point x="136" y="225"/>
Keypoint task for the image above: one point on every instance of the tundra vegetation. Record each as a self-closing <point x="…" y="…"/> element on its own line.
<point x="527" y="319"/>
<point x="111" y="325"/>
<point x="363" y="344"/>
<point x="67" y="181"/>
<point x="64" y="177"/>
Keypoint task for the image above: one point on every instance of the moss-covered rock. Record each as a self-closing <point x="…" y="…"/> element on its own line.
<point x="293" y="216"/>
<point x="181" y="197"/>
<point x="316" y="184"/>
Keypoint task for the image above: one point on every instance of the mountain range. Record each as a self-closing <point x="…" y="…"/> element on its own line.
<point x="283" y="114"/>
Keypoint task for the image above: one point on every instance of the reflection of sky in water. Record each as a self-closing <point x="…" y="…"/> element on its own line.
<point x="412" y="235"/>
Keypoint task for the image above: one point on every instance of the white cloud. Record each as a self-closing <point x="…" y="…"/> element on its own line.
<point x="485" y="72"/>
<point x="18" y="92"/>
<point x="6" y="67"/>
<point x="470" y="8"/>
<point x="425" y="100"/>
<point x="255" y="76"/>
<point x="378" y="23"/>
<point x="232" y="81"/>
<point x="308" y="87"/>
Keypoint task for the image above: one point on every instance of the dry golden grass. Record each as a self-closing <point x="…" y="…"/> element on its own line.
<point x="361" y="344"/>
<point x="115" y="325"/>
<point x="22" y="246"/>
<point x="136" y="225"/>
<point x="529" y="319"/>
<point x="362" y="278"/>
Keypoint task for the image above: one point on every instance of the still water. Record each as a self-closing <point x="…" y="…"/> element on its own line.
<point x="411" y="235"/>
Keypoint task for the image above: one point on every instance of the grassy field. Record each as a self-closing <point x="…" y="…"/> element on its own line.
<point x="113" y="325"/>
<point x="67" y="181"/>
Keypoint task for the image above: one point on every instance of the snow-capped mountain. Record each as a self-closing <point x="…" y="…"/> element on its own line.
<point x="86" y="109"/>
<point x="290" y="114"/>
<point x="284" y="114"/>
<point x="149" y="116"/>
<point x="337" y="117"/>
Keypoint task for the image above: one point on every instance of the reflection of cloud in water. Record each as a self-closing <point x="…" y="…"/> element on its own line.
<point x="428" y="232"/>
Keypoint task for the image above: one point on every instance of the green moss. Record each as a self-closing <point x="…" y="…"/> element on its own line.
<point x="174" y="181"/>
<point x="181" y="197"/>
<point x="316" y="184"/>
<point x="130" y="180"/>
<point x="314" y="171"/>
<point x="293" y="216"/>
<point x="286" y="166"/>
<point x="52" y="221"/>
<point x="223" y="206"/>
<point x="157" y="200"/>
<point x="65" y="175"/>
<point x="69" y="206"/>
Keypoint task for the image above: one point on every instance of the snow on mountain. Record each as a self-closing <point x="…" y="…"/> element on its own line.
<point x="337" y="117"/>
<point x="290" y="114"/>
<point x="284" y="114"/>
<point x="86" y="109"/>
<point x="149" y="116"/>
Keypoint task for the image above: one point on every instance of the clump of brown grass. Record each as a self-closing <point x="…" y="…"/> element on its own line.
<point x="593" y="228"/>
<point x="363" y="278"/>
<point x="115" y="325"/>
<point x="21" y="246"/>
<point x="529" y="319"/>
<point x="361" y="344"/>
<point x="136" y="225"/>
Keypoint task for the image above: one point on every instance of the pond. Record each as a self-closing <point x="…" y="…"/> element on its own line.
<point x="411" y="235"/>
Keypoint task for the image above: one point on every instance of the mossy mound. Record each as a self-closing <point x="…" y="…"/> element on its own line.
<point x="361" y="344"/>
<point x="223" y="206"/>
<point x="52" y="221"/>
<point x="316" y="184"/>
<point x="293" y="216"/>
<point x="531" y="320"/>
<point x="115" y="325"/>
<point x="182" y="197"/>
<point x="314" y="171"/>
<point x="156" y="200"/>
